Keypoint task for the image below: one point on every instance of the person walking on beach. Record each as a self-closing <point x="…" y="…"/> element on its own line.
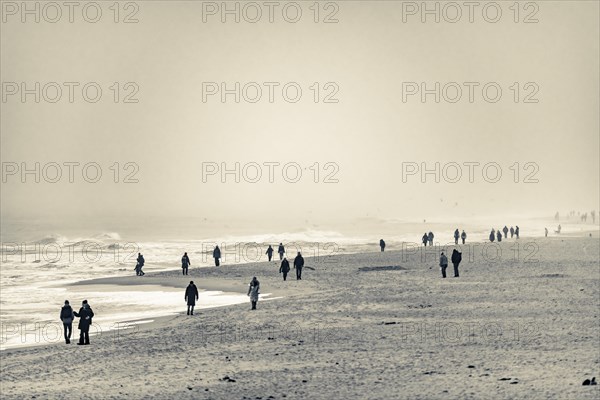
<point x="425" y="239"/>
<point x="85" y="316"/>
<point x="546" y="232"/>
<point x="191" y="295"/>
<point x="430" y="238"/>
<point x="593" y="214"/>
<point x="499" y="236"/>
<point x="281" y="250"/>
<point x="558" y="229"/>
<point x="185" y="263"/>
<point x="512" y="232"/>
<point x="382" y="245"/>
<point x="456" y="236"/>
<point x="140" y="264"/>
<point x="517" y="231"/>
<point x="505" y="230"/>
<point x="456" y="258"/>
<point x="217" y="255"/>
<point x="299" y="264"/>
<point x="463" y="236"/>
<point x="67" y="317"/>
<point x="253" y="292"/>
<point x="285" y="268"/>
<point x="269" y="252"/>
<point x="443" y="264"/>
<point x="492" y="235"/>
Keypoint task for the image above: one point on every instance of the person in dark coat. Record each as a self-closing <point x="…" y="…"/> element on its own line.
<point x="191" y="295"/>
<point x="430" y="238"/>
<point x="463" y="236"/>
<point x="185" y="263"/>
<point x="269" y="252"/>
<point x="505" y="230"/>
<point x="512" y="232"/>
<point x="67" y="316"/>
<point x="443" y="264"/>
<point x="140" y="264"/>
<point x="456" y="236"/>
<point x="492" y="235"/>
<point x="217" y="255"/>
<point x="546" y="232"/>
<point x="298" y="264"/>
<point x="85" y="316"/>
<point x="253" y="292"/>
<point x="424" y="239"/>
<point x="382" y="244"/>
<point x="517" y="231"/>
<point x="499" y="236"/>
<point x="281" y="250"/>
<point x="456" y="258"/>
<point x="285" y="268"/>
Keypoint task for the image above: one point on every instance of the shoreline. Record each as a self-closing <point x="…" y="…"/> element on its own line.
<point x="347" y="331"/>
<point x="218" y="279"/>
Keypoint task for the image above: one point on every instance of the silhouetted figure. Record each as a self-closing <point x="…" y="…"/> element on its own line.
<point x="285" y="268"/>
<point x="140" y="264"/>
<point x="85" y="316"/>
<point x="430" y="238"/>
<point x="558" y="229"/>
<point x="512" y="232"/>
<point x="269" y="252"/>
<point x="492" y="235"/>
<point x="499" y="236"/>
<point x="463" y="236"/>
<point x="382" y="245"/>
<point x="593" y="215"/>
<point x="505" y="230"/>
<point x="253" y="292"/>
<point x="517" y="231"/>
<point x="185" y="263"/>
<point x="281" y="250"/>
<point x="456" y="236"/>
<point x="425" y="239"/>
<point x="191" y="295"/>
<point x="67" y="316"/>
<point x="443" y="264"/>
<point x="546" y="232"/>
<point x="299" y="264"/>
<point x="217" y="255"/>
<point x="456" y="258"/>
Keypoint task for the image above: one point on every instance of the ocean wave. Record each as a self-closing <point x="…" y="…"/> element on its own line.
<point x="108" y="236"/>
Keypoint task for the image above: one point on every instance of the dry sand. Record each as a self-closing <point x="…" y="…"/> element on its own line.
<point x="350" y="332"/>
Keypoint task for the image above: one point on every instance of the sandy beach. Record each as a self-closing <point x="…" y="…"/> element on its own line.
<point x="362" y="326"/>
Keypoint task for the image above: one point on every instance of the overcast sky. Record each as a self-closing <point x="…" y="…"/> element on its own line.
<point x="369" y="57"/>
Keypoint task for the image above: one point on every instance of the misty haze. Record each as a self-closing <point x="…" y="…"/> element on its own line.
<point x="300" y="200"/>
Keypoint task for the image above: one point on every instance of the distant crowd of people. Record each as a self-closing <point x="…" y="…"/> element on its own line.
<point x="497" y="235"/>
<point x="86" y="314"/>
<point x="191" y="293"/>
<point x="582" y="216"/>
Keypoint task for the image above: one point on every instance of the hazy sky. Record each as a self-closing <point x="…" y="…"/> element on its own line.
<point x="368" y="56"/>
